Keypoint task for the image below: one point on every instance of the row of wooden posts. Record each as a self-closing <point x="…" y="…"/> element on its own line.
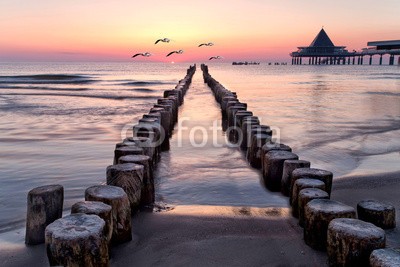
<point x="328" y="224"/>
<point x="84" y="237"/>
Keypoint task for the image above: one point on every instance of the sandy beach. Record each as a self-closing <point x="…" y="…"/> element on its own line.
<point x="221" y="235"/>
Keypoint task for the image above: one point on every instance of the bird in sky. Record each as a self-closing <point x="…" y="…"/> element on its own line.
<point x="216" y="57"/>
<point x="164" y="40"/>
<point x="206" y="44"/>
<point x="176" y="52"/>
<point x="146" y="54"/>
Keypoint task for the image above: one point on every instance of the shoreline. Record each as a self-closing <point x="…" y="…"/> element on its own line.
<point x="216" y="235"/>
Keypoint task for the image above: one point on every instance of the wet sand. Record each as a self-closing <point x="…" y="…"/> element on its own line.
<point x="383" y="187"/>
<point x="221" y="235"/>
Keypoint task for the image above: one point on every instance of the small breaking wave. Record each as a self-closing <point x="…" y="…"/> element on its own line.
<point x="6" y="227"/>
<point x="47" y="79"/>
<point x="142" y="90"/>
<point x="383" y="93"/>
<point x="146" y="83"/>
<point x="113" y="97"/>
<point x="42" y="88"/>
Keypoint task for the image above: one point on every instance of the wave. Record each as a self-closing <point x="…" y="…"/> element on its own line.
<point x="7" y="227"/>
<point x="384" y="78"/>
<point x="148" y="83"/>
<point x="383" y="93"/>
<point x="313" y="82"/>
<point x="114" y="97"/>
<point x="42" y="88"/>
<point x="47" y="79"/>
<point x="142" y="90"/>
<point x="382" y="74"/>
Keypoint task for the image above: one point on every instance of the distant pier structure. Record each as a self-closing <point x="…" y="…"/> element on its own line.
<point x="392" y="48"/>
<point x="322" y="51"/>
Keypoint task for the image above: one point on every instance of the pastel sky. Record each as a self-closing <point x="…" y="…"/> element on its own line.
<point x="263" y="30"/>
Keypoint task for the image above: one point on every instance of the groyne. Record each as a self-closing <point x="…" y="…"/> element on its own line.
<point x="328" y="225"/>
<point x="103" y="219"/>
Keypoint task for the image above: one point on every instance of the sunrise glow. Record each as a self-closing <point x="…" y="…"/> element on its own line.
<point x="251" y="30"/>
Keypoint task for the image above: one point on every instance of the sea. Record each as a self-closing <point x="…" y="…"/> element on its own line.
<point x="59" y="123"/>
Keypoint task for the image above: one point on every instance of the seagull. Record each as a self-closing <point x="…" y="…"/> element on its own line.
<point x="146" y="54"/>
<point x="164" y="40"/>
<point x="206" y="44"/>
<point x="217" y="57"/>
<point x="177" y="52"/>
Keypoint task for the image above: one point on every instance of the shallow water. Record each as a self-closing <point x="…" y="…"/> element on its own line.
<point x="61" y="126"/>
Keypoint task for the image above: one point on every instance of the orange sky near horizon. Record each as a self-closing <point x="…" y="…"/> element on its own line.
<point x="262" y="30"/>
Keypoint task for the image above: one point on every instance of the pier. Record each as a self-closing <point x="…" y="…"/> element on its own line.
<point x="322" y="51"/>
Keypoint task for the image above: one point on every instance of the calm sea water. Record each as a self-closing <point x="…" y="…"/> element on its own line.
<point x="60" y="122"/>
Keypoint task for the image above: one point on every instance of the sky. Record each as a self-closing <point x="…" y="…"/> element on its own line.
<point x="259" y="30"/>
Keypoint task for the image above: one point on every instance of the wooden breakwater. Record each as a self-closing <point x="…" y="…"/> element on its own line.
<point x="328" y="224"/>
<point x="103" y="219"/>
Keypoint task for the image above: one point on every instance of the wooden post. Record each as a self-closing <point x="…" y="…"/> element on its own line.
<point x="121" y="210"/>
<point x="129" y="177"/>
<point x="98" y="208"/>
<point x="45" y="205"/>
<point x="77" y="240"/>
<point x="288" y="167"/>
<point x="351" y="242"/>
<point x="273" y="167"/>
<point x="147" y="195"/>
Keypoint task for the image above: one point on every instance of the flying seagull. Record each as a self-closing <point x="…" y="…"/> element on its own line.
<point x="177" y="52"/>
<point x="164" y="40"/>
<point x="146" y="54"/>
<point x="217" y="57"/>
<point x="206" y="44"/>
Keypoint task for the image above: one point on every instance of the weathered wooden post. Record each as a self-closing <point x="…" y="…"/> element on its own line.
<point x="235" y="134"/>
<point x="288" y="167"/>
<point x="147" y="195"/>
<point x="298" y="186"/>
<point x="247" y="123"/>
<point x="269" y="146"/>
<point x="121" y="210"/>
<point x="386" y="257"/>
<point x="152" y="131"/>
<point x="77" y="240"/>
<point x="381" y="214"/>
<point x="323" y="175"/>
<point x="126" y="150"/>
<point x="305" y="196"/>
<point x="98" y="208"/>
<point x="45" y="205"/>
<point x="273" y="167"/>
<point x="163" y="129"/>
<point x="147" y="145"/>
<point x="165" y="119"/>
<point x="318" y="213"/>
<point x="253" y="154"/>
<point x="129" y="177"/>
<point x="232" y="111"/>
<point x="169" y="114"/>
<point x="351" y="242"/>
